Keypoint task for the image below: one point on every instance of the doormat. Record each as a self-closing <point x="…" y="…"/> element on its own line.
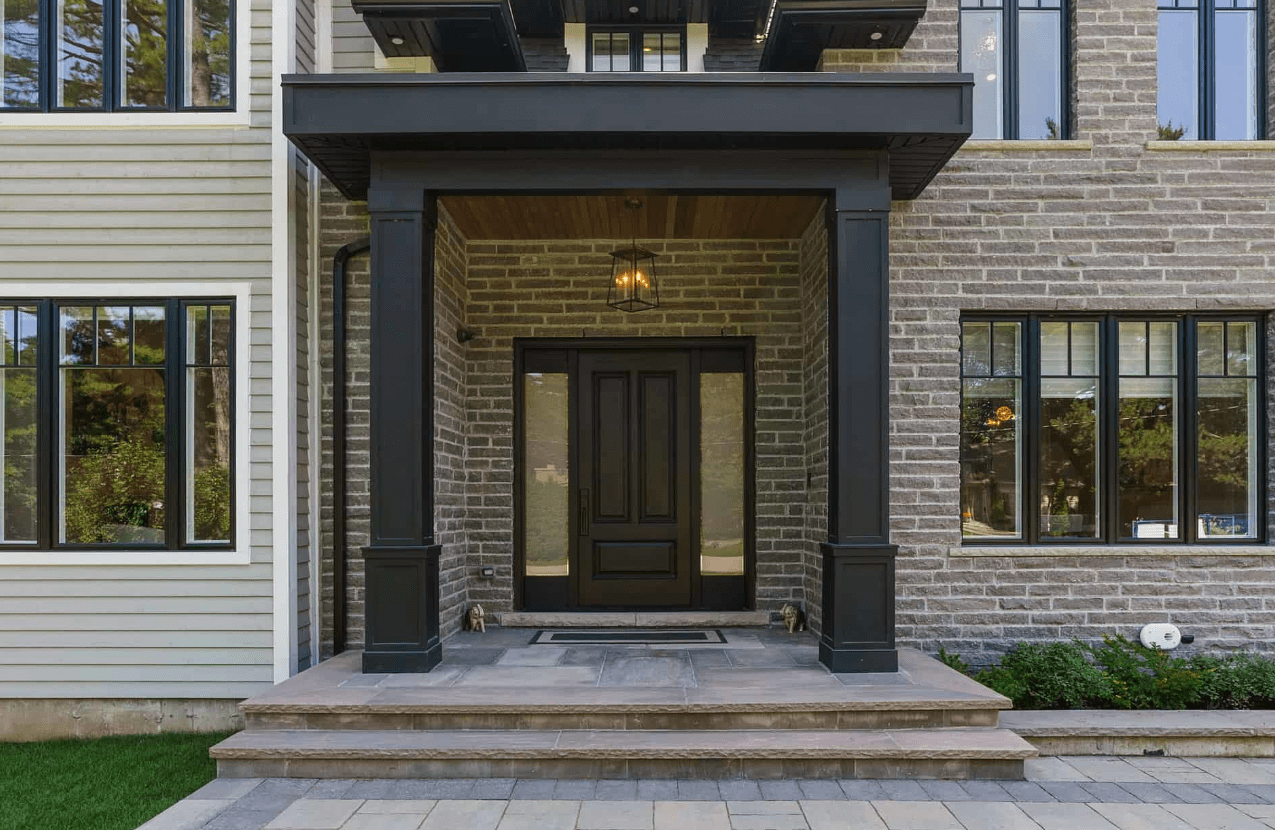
<point x="627" y="637"/>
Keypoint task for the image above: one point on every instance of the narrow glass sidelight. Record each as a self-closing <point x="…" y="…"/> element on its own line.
<point x="1147" y="431"/>
<point x="143" y="60"/>
<point x="1069" y="496"/>
<point x="1235" y="76"/>
<point x="206" y="42"/>
<point x="1178" y="69"/>
<point x="111" y="433"/>
<point x="982" y="53"/>
<point x="546" y="474"/>
<point x="722" y="454"/>
<point x="80" y="27"/>
<point x="1227" y="423"/>
<point x="208" y="434"/>
<point x="991" y="430"/>
<point x="1040" y="60"/>
<point x="20" y="54"/>
<point x="18" y="491"/>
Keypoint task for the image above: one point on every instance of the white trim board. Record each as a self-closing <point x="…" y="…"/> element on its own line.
<point x="241" y="292"/>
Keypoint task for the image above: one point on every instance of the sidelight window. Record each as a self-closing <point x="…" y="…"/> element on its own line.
<point x="135" y="409"/>
<point x="1111" y="429"/>
<point x="1208" y="69"/>
<point x="116" y="55"/>
<point x="1016" y="50"/>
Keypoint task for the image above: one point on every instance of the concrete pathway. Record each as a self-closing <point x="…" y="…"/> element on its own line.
<point x="1068" y="793"/>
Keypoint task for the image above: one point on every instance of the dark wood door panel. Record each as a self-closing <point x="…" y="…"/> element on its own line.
<point x="633" y="418"/>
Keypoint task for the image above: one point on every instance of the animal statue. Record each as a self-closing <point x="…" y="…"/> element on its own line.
<point x="794" y="618"/>
<point x="474" y="619"/>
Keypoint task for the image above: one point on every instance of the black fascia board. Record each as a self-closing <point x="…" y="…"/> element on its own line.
<point x="339" y="120"/>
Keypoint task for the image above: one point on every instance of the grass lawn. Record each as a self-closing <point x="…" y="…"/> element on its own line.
<point x="103" y="784"/>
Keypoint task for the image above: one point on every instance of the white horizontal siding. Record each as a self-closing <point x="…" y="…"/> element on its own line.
<point x="138" y="207"/>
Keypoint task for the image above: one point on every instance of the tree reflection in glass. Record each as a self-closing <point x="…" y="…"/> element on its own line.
<point x="80" y="26"/>
<point x="112" y="431"/>
<point x="144" y="75"/>
<point x="546" y="515"/>
<point x="1069" y="403"/>
<point x="18" y="424"/>
<point x="1148" y="430"/>
<point x="20" y="53"/>
<point x="207" y="41"/>
<point x="991" y="430"/>
<point x="208" y="437"/>
<point x="1227" y="428"/>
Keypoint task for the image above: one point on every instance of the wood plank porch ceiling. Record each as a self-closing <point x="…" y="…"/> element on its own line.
<point x="663" y="216"/>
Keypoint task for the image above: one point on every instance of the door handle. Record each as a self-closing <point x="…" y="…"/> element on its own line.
<point x="584" y="512"/>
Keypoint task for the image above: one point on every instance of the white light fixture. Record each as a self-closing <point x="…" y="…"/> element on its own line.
<point x="991" y="77"/>
<point x="397" y="41"/>
<point x="875" y="36"/>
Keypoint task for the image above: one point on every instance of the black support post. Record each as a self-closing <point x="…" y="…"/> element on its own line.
<point x="401" y="563"/>
<point x="858" y="559"/>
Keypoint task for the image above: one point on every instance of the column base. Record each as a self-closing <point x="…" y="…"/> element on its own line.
<point x="858" y="608"/>
<point x="401" y="609"/>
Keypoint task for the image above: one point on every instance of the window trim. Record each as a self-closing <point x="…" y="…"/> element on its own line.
<point x="1009" y="67"/>
<point x="1108" y="415"/>
<point x="111" y="115"/>
<point x="635" y="33"/>
<point x="235" y="552"/>
<point x="1206" y="72"/>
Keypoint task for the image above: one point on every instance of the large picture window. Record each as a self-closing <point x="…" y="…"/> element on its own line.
<point x="1016" y="50"/>
<point x="1208" y="69"/>
<point x="637" y="50"/>
<point x="116" y="55"/>
<point x="117" y="424"/>
<point x="1111" y="429"/>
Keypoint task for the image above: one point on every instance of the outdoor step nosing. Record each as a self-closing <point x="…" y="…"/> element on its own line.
<point x="619" y="708"/>
<point x="638" y="753"/>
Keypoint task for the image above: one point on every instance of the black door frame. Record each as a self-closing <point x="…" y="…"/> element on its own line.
<point x="563" y="351"/>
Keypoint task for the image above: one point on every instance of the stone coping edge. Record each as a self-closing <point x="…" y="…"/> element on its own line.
<point x="757" y="707"/>
<point x="1010" y="551"/>
<point x="1105" y="723"/>
<point x="1211" y="146"/>
<point x="1027" y="145"/>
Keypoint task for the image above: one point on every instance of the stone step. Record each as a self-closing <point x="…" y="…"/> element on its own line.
<point x="632" y="619"/>
<point x="956" y="753"/>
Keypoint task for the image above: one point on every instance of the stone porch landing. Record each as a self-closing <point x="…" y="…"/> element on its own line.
<point x="760" y="707"/>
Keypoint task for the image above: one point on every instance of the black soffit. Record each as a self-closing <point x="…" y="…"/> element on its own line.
<point x="460" y="35"/>
<point x="340" y="121"/>
<point x="801" y="29"/>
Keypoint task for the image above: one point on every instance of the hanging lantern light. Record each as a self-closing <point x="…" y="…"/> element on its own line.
<point x="633" y="284"/>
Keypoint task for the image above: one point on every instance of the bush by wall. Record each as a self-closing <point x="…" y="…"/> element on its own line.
<point x="1120" y="674"/>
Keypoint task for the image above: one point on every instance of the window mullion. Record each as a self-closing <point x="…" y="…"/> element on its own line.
<point x="1189" y="458"/>
<point x="46" y="378"/>
<point x="1208" y="72"/>
<point x="1009" y="67"/>
<point x="176" y="68"/>
<point x="1109" y="365"/>
<point x="174" y="394"/>
<point x="1031" y="431"/>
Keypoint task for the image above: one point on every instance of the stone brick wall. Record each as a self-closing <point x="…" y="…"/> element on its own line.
<point x="1105" y="223"/>
<point x="708" y="288"/>
<point x="729" y="54"/>
<point x="814" y="315"/>
<point x="344" y="222"/>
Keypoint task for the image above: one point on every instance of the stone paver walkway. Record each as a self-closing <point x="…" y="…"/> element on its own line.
<point x="1075" y="793"/>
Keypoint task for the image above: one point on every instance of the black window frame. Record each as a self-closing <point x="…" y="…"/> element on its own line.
<point x="1009" y="10"/>
<point x="1206" y="72"/>
<point x="635" y="33"/>
<point x="1108" y="415"/>
<point x="48" y="399"/>
<point x="111" y="46"/>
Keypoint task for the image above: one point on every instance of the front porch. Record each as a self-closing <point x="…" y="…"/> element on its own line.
<point x="759" y="705"/>
<point x="767" y="200"/>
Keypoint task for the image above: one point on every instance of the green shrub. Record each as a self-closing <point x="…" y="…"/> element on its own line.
<point x="953" y="661"/>
<point x="1145" y="678"/>
<point x="1047" y="676"/>
<point x="1239" y="681"/>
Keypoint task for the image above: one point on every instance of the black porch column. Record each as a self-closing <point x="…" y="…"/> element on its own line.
<point x="858" y="559"/>
<point x="401" y="564"/>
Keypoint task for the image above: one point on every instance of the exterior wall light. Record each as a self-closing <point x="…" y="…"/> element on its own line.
<point x="633" y="285"/>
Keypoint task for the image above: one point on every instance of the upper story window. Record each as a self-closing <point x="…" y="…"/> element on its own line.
<point x="637" y="50"/>
<point x="116" y="55"/>
<point x="1207" y="70"/>
<point x="116" y="424"/>
<point x="1116" y="428"/>
<point x="1016" y="50"/>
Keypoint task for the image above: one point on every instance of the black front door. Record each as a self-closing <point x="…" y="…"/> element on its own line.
<point x="632" y="540"/>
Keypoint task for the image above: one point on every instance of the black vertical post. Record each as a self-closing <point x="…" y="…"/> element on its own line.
<point x="858" y="559"/>
<point x="401" y="563"/>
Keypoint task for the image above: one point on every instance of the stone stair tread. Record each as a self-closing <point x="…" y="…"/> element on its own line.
<point x="948" y="743"/>
<point x="1138" y="723"/>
